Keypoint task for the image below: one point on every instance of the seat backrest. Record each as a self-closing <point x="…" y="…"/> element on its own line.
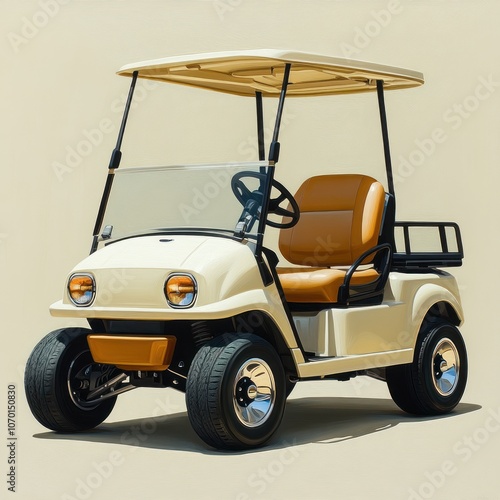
<point x="340" y="218"/>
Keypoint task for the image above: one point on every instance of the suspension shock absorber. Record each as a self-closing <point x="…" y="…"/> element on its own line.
<point x="201" y="333"/>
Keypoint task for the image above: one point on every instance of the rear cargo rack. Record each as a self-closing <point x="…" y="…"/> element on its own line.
<point x="427" y="244"/>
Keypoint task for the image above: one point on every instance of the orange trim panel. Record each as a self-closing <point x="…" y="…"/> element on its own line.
<point x="129" y="352"/>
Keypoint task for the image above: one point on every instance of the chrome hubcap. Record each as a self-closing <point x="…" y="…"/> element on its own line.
<point x="254" y="392"/>
<point x="445" y="367"/>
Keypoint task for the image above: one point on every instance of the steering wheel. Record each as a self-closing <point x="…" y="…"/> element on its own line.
<point x="243" y="195"/>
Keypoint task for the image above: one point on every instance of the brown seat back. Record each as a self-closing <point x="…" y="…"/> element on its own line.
<point x="340" y="218"/>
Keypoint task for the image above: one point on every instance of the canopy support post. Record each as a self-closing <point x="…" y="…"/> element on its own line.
<point x="260" y="126"/>
<point x="114" y="163"/>
<point x="385" y="136"/>
<point x="274" y="150"/>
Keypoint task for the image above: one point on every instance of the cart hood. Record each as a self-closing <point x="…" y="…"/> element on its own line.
<point x="132" y="273"/>
<point x="155" y="252"/>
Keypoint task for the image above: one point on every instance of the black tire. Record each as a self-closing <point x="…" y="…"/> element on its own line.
<point x="289" y="386"/>
<point x="53" y="382"/>
<point x="433" y="384"/>
<point x="228" y="401"/>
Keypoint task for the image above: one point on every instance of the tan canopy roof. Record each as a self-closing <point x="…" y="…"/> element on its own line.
<point x="245" y="72"/>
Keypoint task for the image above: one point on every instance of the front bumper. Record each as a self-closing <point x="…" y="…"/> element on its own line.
<point x="133" y="352"/>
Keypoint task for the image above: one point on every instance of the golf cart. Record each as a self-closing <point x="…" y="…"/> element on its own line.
<point x="180" y="289"/>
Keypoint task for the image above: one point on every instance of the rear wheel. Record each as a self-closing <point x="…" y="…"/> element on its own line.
<point x="289" y="385"/>
<point x="435" y="382"/>
<point x="235" y="392"/>
<point x="60" y="381"/>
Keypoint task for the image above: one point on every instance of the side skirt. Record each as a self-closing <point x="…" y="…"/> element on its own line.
<point x="322" y="367"/>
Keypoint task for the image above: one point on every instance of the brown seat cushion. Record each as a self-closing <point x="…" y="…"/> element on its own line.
<point x="340" y="219"/>
<point x="310" y="285"/>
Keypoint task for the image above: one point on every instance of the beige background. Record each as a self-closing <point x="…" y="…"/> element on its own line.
<point x="338" y="440"/>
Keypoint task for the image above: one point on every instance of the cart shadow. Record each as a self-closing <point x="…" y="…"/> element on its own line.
<point x="332" y="420"/>
<point x="306" y="420"/>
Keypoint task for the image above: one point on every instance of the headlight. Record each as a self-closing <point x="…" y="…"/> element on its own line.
<point x="81" y="289"/>
<point x="180" y="290"/>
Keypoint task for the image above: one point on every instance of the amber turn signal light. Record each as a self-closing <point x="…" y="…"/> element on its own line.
<point x="81" y="289"/>
<point x="180" y="290"/>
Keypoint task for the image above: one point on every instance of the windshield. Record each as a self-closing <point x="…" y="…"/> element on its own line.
<point x="184" y="198"/>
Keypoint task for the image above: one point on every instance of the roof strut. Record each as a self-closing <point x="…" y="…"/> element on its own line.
<point x="274" y="150"/>
<point x="260" y="126"/>
<point x="114" y="163"/>
<point x="385" y="136"/>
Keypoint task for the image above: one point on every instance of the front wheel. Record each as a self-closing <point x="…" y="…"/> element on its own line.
<point x="435" y="382"/>
<point x="235" y="392"/>
<point x="61" y="379"/>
